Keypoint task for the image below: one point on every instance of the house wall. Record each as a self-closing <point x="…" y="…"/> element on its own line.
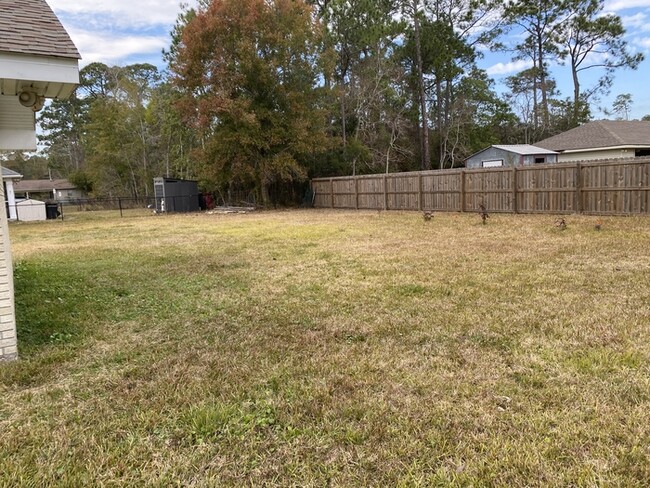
<point x="17" y="125"/>
<point x="529" y="160"/>
<point x="509" y="158"/>
<point x="595" y="155"/>
<point x="69" y="194"/>
<point x="8" y="342"/>
<point x="491" y="154"/>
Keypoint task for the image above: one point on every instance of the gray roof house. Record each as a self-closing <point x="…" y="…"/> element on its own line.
<point x="601" y="139"/>
<point x="38" y="60"/>
<point x="510" y="155"/>
<point x="56" y="189"/>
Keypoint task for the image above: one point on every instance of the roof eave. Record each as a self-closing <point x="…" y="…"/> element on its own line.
<point x="605" y="148"/>
<point x="48" y="76"/>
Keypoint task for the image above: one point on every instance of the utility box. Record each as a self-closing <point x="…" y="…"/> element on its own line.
<point x="176" y="195"/>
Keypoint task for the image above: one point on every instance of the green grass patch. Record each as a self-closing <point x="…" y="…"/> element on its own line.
<point x="316" y="348"/>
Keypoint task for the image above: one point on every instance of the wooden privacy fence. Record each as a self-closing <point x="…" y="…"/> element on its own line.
<point x="612" y="187"/>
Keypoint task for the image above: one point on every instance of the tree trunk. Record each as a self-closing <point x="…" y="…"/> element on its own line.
<point x="426" y="159"/>
<point x="343" y="115"/>
<point x="542" y="82"/>
<point x="576" y="93"/>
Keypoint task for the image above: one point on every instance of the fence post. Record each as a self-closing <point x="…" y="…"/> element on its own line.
<point x="420" y="192"/>
<point x="61" y="205"/>
<point x="385" y="192"/>
<point x="515" y="208"/>
<point x="578" y="195"/>
<point x="331" y="193"/>
<point x="119" y="202"/>
<point x="356" y="192"/>
<point x="463" y="206"/>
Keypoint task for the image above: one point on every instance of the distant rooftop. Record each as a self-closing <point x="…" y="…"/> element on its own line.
<point x="601" y="134"/>
<point x="31" y="27"/>
<point x="523" y="149"/>
<point x="10" y="174"/>
<point x="42" y="185"/>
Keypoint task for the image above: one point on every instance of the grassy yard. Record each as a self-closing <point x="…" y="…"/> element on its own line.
<point x="317" y="348"/>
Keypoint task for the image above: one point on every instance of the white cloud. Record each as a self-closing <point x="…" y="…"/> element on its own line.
<point x="109" y="49"/>
<point x="617" y="5"/>
<point x="636" y="21"/>
<point x="502" y="69"/>
<point x="642" y="42"/>
<point x="123" y="13"/>
<point x="119" y="31"/>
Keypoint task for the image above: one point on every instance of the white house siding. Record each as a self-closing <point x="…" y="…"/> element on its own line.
<point x="595" y="155"/>
<point x="8" y="342"/>
<point x="17" y="129"/>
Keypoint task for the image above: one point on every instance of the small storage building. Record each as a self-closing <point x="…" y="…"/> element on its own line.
<point x="174" y="195"/>
<point x="510" y="155"/>
<point x="29" y="210"/>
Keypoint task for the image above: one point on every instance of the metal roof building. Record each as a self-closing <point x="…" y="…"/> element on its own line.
<point x="510" y="155"/>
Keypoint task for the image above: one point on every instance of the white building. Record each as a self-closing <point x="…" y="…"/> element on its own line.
<point x="37" y="61"/>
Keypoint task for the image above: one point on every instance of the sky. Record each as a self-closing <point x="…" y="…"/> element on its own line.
<point x="119" y="32"/>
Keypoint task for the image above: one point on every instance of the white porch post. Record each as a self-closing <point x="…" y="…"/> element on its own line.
<point x="8" y="341"/>
<point x="10" y="197"/>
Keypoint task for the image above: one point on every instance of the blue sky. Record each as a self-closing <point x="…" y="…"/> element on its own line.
<point x="123" y="32"/>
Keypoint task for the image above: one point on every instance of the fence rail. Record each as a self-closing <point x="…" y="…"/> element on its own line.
<point x="611" y="187"/>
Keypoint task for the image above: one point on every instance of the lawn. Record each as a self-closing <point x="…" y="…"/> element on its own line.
<point x="318" y="348"/>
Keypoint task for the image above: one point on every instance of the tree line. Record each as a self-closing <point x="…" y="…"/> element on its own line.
<point x="260" y="95"/>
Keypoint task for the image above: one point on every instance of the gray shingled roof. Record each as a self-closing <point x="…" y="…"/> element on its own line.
<point x="601" y="134"/>
<point x="31" y="27"/>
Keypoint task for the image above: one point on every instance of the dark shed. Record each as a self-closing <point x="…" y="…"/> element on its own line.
<point x="174" y="195"/>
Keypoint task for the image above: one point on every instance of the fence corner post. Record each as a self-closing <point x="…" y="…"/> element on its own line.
<point x="331" y="192"/>
<point x="420" y="203"/>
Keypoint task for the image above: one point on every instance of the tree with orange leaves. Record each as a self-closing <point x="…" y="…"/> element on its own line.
<point x="251" y="75"/>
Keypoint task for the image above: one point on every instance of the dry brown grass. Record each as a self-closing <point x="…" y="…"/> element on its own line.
<point x="309" y="348"/>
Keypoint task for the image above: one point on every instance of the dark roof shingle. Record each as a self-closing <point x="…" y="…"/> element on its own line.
<point x="31" y="27"/>
<point x="600" y="134"/>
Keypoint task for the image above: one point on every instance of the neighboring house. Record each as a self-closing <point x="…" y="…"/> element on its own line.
<point x="602" y="139"/>
<point x="9" y="179"/>
<point x="54" y="190"/>
<point x="510" y="155"/>
<point x="37" y="61"/>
